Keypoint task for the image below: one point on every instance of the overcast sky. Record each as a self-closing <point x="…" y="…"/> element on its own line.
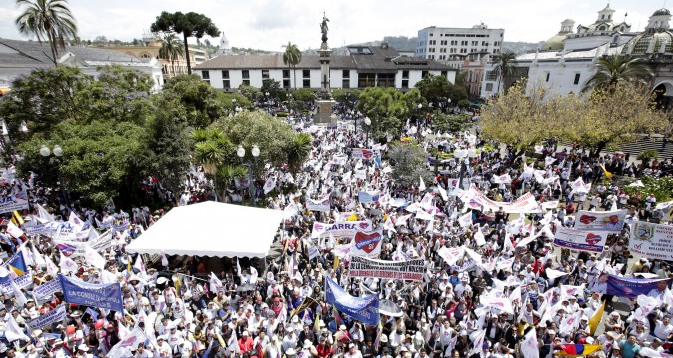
<point x="268" y="24"/>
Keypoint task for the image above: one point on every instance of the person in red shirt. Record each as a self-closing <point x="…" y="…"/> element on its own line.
<point x="323" y="348"/>
<point x="245" y="343"/>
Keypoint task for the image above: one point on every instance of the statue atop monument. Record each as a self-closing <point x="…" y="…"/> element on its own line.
<point x="323" y="27"/>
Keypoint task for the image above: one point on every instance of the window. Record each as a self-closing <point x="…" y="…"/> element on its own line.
<point x="405" y="74"/>
<point x="286" y="83"/>
<point x="205" y="75"/>
<point x="346" y="74"/>
<point x="475" y="43"/>
<point x="245" y="74"/>
<point x="246" y="82"/>
<point x="405" y="83"/>
<point x="547" y="79"/>
<point x="463" y="43"/>
<point x="489" y="87"/>
<point x="431" y="57"/>
<point x="445" y="73"/>
<point x="226" y="84"/>
<point x="265" y="73"/>
<point x="306" y="83"/>
<point x="286" y="73"/>
<point x="424" y="73"/>
<point x="443" y="42"/>
<point x="346" y="83"/>
<point x="432" y="49"/>
<point x="442" y="50"/>
<point x="454" y="43"/>
<point x="577" y="79"/>
<point x="306" y="73"/>
<point x="225" y="74"/>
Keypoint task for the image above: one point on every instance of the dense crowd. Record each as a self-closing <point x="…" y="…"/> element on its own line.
<point x="280" y="310"/>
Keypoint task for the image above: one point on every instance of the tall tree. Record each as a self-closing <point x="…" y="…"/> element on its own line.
<point x="291" y="58"/>
<point x="504" y="68"/>
<point x="614" y="69"/>
<point x="171" y="50"/>
<point x="189" y="25"/>
<point x="386" y="108"/>
<point x="48" y="20"/>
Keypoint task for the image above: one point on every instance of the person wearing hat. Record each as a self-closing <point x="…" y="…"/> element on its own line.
<point x="290" y="353"/>
<point x="163" y="348"/>
<point x="352" y="352"/>
<point x="290" y="340"/>
<point x="84" y="351"/>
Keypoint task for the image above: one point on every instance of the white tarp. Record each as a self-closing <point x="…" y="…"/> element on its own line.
<point x="211" y="229"/>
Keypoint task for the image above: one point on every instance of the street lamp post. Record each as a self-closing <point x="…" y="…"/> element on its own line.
<point x="368" y="122"/>
<point x="58" y="154"/>
<point x="268" y="102"/>
<point x="251" y="166"/>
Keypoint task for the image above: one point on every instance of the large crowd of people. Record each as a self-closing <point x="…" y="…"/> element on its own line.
<point x="475" y="256"/>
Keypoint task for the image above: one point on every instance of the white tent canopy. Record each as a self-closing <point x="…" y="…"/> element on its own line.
<point x="211" y="229"/>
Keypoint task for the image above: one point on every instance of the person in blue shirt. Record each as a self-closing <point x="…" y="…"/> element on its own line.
<point x="629" y="347"/>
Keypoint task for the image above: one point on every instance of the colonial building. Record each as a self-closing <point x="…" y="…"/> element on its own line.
<point x="568" y="59"/>
<point x="21" y="57"/>
<point x="364" y="66"/>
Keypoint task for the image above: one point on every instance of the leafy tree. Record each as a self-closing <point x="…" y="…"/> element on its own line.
<point x="304" y="97"/>
<point x="346" y="96"/>
<point x="449" y="123"/>
<point x="434" y="88"/>
<point x="614" y="69"/>
<point x="253" y="94"/>
<point x="662" y="188"/>
<point x="410" y="163"/>
<point x="292" y="57"/>
<point x="613" y="115"/>
<point x="212" y="149"/>
<point x="199" y="98"/>
<point x="272" y="87"/>
<point x="189" y="25"/>
<point x="386" y="108"/>
<point x="49" y="20"/>
<point x="412" y="99"/>
<point x="298" y="151"/>
<point x="504" y="68"/>
<point x="171" y="50"/>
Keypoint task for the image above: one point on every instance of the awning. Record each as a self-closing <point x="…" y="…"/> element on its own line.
<point x="4" y="90"/>
<point x="211" y="229"/>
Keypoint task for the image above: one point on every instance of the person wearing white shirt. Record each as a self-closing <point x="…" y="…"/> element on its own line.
<point x="663" y="328"/>
<point x="141" y="352"/>
<point x="660" y="292"/>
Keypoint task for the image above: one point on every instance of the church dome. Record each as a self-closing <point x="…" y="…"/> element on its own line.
<point x="555" y="43"/>
<point x="662" y="11"/>
<point x="640" y="44"/>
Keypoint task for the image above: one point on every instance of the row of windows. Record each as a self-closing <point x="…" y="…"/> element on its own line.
<point x="576" y="80"/>
<point x="265" y="74"/>
<point x="461" y="35"/>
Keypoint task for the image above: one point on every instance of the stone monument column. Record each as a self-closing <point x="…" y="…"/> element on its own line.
<point x="325" y="102"/>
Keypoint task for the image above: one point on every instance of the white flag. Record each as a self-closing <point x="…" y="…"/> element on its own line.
<point x="442" y="192"/>
<point x="94" y="258"/>
<point x="52" y="270"/>
<point x="14" y="230"/>
<point x="67" y="264"/>
<point x="39" y="260"/>
<point x="552" y="274"/>
<point x="477" y="338"/>
<point x="465" y="220"/>
<point x="124" y="347"/>
<point x="215" y="283"/>
<point x="529" y="347"/>
<point x="18" y="294"/>
<point x="13" y="331"/>
<point x="421" y="185"/>
<point x="269" y="185"/>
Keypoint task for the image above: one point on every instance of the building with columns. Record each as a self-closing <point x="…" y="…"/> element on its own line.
<point x="364" y="66"/>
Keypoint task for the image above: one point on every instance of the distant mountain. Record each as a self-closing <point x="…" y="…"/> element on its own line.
<point x="519" y="47"/>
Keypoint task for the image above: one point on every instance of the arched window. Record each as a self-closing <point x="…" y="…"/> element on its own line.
<point x="145" y="55"/>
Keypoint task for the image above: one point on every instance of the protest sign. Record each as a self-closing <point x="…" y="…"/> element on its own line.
<point x="14" y="202"/>
<point x="107" y="296"/>
<point x="367" y="244"/>
<point x="48" y="318"/>
<point x="21" y="281"/>
<point x="451" y="255"/>
<point x="652" y="240"/>
<point x="600" y="220"/>
<point x="412" y="270"/>
<point x="48" y="288"/>
<point x="99" y="244"/>
<point x="361" y="153"/>
<point x="591" y="241"/>
<point x="313" y="252"/>
<point x="368" y="196"/>
<point x="627" y="287"/>
<point x="318" y="205"/>
<point x="524" y="204"/>
<point x="364" y="309"/>
<point x="340" y="229"/>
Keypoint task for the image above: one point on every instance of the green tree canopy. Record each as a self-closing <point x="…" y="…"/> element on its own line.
<point x="292" y="57"/>
<point x="410" y="162"/>
<point x="438" y="90"/>
<point x="49" y="20"/>
<point x="614" y="69"/>
<point x="198" y="97"/>
<point x="386" y="108"/>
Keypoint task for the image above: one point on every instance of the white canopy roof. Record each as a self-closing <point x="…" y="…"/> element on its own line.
<point x="211" y="229"/>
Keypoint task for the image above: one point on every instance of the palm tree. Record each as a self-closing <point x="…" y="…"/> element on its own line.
<point x="171" y="49"/>
<point x="614" y="69"/>
<point x="291" y="58"/>
<point x="48" y="20"/>
<point x="504" y="68"/>
<point x="211" y="149"/>
<point x="298" y="151"/>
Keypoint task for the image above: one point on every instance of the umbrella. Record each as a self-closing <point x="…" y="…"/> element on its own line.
<point x="389" y="308"/>
<point x="245" y="287"/>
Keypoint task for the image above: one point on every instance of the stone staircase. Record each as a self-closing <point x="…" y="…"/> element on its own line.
<point x="654" y="142"/>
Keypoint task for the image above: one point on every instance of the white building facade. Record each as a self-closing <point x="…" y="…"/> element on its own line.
<point x="445" y="43"/>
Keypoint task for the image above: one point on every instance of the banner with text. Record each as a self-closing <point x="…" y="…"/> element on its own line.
<point x="47" y="319"/>
<point x="361" y="153"/>
<point x="591" y="241"/>
<point x="367" y="244"/>
<point x="652" y="240"/>
<point x="600" y="220"/>
<point x="22" y="281"/>
<point x="340" y="229"/>
<point x="364" y="309"/>
<point x="99" y="244"/>
<point x="524" y="204"/>
<point x="108" y="296"/>
<point x="627" y="287"/>
<point x="48" y="288"/>
<point x="411" y="270"/>
<point x="369" y="196"/>
<point x="14" y="202"/>
<point x="318" y="205"/>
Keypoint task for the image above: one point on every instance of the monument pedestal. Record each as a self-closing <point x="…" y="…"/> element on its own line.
<point x="325" y="114"/>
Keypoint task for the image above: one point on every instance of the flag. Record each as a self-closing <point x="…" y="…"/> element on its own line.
<point x="93" y="258"/>
<point x="269" y="185"/>
<point x="529" y="347"/>
<point x="421" y="184"/>
<point x="39" y="260"/>
<point x="607" y="173"/>
<point x="377" y="340"/>
<point x="130" y="342"/>
<point x="17" y="219"/>
<point x="215" y="283"/>
<point x="477" y="338"/>
<point x="13" y="331"/>
<point x="353" y="217"/>
<point x="51" y="267"/>
<point x="18" y="294"/>
<point x="67" y="264"/>
<point x="66" y="249"/>
<point x="17" y="264"/>
<point x="465" y="220"/>
<point x="596" y="319"/>
<point x="577" y="350"/>
<point x="14" y="230"/>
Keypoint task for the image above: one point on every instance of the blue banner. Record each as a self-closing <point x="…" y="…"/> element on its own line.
<point x="364" y="309"/>
<point x="108" y="296"/>
<point x="628" y="287"/>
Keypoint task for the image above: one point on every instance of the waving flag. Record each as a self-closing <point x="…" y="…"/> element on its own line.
<point x="66" y="249"/>
<point x="577" y="350"/>
<point x="529" y="347"/>
<point x="596" y="319"/>
<point x="17" y="264"/>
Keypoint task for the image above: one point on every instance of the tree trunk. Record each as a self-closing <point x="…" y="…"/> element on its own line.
<point x="294" y="70"/>
<point x="189" y="66"/>
<point x="597" y="150"/>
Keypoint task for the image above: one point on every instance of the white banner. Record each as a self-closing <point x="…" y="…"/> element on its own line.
<point x="367" y="244"/>
<point x="48" y="288"/>
<point x="524" y="204"/>
<point x="451" y="255"/>
<point x="318" y="205"/>
<point x="341" y="229"/>
<point x="582" y="240"/>
<point x="579" y="186"/>
<point x="21" y="281"/>
<point x="47" y="319"/>
<point x="12" y="202"/>
<point x="361" y="153"/>
<point x="99" y="244"/>
<point x="652" y="240"/>
<point x="600" y="220"/>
